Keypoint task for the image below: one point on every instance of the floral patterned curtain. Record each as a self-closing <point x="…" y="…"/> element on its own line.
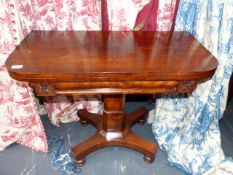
<point x="19" y="118"/>
<point x="187" y="128"/>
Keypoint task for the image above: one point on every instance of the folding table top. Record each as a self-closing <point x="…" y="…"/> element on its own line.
<point x="63" y="56"/>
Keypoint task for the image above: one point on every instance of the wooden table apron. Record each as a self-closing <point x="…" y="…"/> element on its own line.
<point x="111" y="64"/>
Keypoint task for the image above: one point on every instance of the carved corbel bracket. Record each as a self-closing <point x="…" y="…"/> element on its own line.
<point x="43" y="89"/>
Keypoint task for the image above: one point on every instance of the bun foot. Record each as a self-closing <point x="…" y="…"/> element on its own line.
<point x="148" y="159"/>
<point x="80" y="162"/>
<point x="141" y="121"/>
<point x="83" y="122"/>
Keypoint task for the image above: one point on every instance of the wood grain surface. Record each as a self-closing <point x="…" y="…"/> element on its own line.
<point x="110" y="56"/>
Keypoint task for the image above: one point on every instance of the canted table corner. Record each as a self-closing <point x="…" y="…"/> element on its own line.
<point x="112" y="64"/>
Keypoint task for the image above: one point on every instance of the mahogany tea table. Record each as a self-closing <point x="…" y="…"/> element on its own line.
<point x="111" y="64"/>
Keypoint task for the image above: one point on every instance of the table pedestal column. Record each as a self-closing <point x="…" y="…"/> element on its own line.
<point x="114" y="129"/>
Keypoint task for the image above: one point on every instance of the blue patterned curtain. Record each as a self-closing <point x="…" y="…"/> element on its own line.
<point x="187" y="128"/>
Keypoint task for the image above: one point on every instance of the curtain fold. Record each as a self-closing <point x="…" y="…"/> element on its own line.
<point x="147" y="17"/>
<point x="104" y="15"/>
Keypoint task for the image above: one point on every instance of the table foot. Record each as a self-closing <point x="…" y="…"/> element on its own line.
<point x="149" y="159"/>
<point x="80" y="162"/>
<point x="142" y="121"/>
<point x="147" y="148"/>
<point x="88" y="118"/>
<point x="83" y="122"/>
<point x="88" y="146"/>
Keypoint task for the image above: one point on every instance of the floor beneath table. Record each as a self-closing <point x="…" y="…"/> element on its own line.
<point x="19" y="160"/>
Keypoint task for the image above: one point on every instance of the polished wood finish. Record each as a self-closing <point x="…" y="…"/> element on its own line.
<point x="110" y="56"/>
<point x="134" y="87"/>
<point x="114" y="129"/>
<point x="111" y="64"/>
